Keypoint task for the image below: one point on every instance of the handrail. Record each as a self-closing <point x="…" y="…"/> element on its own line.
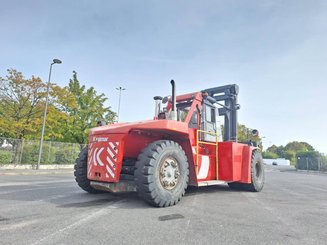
<point x="207" y="143"/>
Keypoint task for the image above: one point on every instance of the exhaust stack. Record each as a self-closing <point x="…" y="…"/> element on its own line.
<point x="173" y="112"/>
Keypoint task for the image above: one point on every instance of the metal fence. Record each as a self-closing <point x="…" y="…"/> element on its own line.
<point x="311" y="163"/>
<point x="15" y="151"/>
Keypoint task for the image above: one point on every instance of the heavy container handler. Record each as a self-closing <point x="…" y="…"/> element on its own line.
<point x="182" y="146"/>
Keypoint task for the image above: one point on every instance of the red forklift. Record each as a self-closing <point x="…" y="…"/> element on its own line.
<point x="182" y="146"/>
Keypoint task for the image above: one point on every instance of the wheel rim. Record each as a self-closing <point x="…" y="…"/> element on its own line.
<point x="169" y="173"/>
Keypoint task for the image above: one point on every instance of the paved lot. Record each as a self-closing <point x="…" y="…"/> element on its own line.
<point x="51" y="209"/>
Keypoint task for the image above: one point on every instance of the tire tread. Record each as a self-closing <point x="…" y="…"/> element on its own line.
<point x="145" y="170"/>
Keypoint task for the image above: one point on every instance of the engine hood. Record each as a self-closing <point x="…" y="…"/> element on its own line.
<point x="152" y="125"/>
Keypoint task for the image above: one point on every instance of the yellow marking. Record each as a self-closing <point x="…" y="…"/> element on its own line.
<point x="206" y="143"/>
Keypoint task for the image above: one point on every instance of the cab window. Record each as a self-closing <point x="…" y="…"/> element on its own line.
<point x="210" y="114"/>
<point x="194" y="120"/>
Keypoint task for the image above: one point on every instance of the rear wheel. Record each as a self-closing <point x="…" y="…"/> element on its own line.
<point x="257" y="175"/>
<point x="80" y="173"/>
<point x="161" y="173"/>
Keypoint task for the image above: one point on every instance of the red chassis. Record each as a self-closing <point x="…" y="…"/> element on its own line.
<point x="209" y="163"/>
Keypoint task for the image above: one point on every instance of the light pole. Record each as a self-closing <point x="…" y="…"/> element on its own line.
<point x="120" y="89"/>
<point x="55" y="61"/>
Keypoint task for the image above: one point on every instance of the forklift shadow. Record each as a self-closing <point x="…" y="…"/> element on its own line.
<point x="100" y="200"/>
<point x="131" y="200"/>
<point x="194" y="190"/>
<point x="92" y="203"/>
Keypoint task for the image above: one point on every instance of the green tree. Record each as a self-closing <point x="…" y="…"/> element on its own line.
<point x="71" y="112"/>
<point x="279" y="150"/>
<point x="290" y="155"/>
<point x="21" y="105"/>
<point x="272" y="149"/>
<point x="84" y="111"/>
<point x="296" y="146"/>
<point x="244" y="134"/>
<point x="57" y="116"/>
<point x="308" y="146"/>
<point x="291" y="150"/>
<point x="269" y="155"/>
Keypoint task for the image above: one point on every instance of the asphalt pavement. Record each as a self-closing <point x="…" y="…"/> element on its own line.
<point x="51" y="209"/>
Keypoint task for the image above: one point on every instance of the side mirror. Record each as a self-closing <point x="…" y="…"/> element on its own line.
<point x="101" y="123"/>
<point x="255" y="133"/>
<point x="165" y="99"/>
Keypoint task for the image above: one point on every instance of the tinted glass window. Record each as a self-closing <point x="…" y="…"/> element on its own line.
<point x="210" y="114"/>
<point x="194" y="120"/>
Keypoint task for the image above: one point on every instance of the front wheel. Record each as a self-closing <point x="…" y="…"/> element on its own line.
<point x="161" y="173"/>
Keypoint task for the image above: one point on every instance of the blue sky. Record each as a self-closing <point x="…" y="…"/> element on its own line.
<point x="274" y="50"/>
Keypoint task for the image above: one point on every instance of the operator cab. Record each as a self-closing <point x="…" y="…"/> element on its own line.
<point x="206" y="120"/>
<point x="183" y="109"/>
<point x="209" y="119"/>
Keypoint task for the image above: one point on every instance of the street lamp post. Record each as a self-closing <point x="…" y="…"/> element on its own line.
<point x="55" y="61"/>
<point x="120" y="89"/>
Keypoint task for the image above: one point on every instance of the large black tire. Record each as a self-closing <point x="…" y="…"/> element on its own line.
<point x="161" y="173"/>
<point x="257" y="175"/>
<point x="80" y="173"/>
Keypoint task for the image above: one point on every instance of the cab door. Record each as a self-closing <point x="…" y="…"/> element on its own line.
<point x="207" y="146"/>
<point x="209" y="122"/>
